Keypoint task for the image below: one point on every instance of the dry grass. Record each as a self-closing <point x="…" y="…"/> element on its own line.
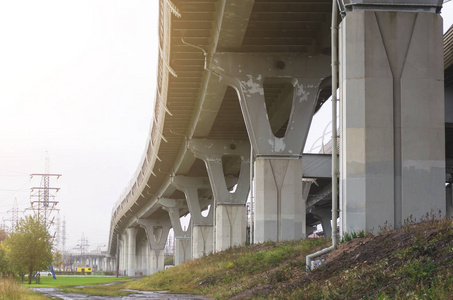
<point x="10" y="289"/>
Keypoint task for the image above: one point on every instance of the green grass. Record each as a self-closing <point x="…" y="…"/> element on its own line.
<point x="63" y="281"/>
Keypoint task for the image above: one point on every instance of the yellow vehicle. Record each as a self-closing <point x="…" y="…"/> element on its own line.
<point x="85" y="270"/>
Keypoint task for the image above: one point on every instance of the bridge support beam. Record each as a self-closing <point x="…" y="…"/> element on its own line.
<point x="131" y="234"/>
<point x="157" y="233"/>
<point x="183" y="245"/>
<point x="392" y="131"/>
<point x="280" y="207"/>
<point x="325" y="215"/>
<point x="202" y="227"/>
<point x="229" y="207"/>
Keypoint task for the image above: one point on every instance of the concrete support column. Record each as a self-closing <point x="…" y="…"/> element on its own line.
<point x="202" y="227"/>
<point x="112" y="264"/>
<point x="392" y="129"/>
<point x="325" y="215"/>
<point x="183" y="249"/>
<point x="231" y="225"/>
<point x="157" y="233"/>
<point x="229" y="207"/>
<point x="131" y="234"/>
<point x="123" y="256"/>
<point x="280" y="209"/>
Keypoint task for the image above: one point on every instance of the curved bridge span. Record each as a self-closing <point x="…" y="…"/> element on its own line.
<point x="238" y="84"/>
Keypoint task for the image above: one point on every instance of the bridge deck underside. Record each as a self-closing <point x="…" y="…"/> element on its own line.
<point x="298" y="26"/>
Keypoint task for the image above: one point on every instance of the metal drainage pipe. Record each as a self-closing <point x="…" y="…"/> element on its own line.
<point x="334" y="47"/>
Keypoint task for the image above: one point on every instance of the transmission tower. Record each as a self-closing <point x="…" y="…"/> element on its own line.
<point x="45" y="204"/>
<point x="14" y="215"/>
<point x="3" y="226"/>
<point x="83" y="245"/>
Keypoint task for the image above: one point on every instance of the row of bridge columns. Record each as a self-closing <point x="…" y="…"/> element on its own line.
<point x="98" y="262"/>
<point x="392" y="140"/>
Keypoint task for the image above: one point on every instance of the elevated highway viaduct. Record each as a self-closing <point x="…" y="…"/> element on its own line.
<point x="238" y="84"/>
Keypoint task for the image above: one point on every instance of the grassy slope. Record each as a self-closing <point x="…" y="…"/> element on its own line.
<point x="413" y="262"/>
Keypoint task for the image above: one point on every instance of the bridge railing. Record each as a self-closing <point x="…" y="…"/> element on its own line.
<point x="149" y="156"/>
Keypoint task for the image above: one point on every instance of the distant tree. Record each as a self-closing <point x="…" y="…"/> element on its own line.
<point x="29" y="247"/>
<point x="4" y="266"/>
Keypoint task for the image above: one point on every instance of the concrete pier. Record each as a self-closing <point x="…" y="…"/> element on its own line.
<point x="202" y="228"/>
<point x="131" y="234"/>
<point x="229" y="207"/>
<point x="280" y="210"/>
<point x="183" y="240"/>
<point x="157" y="233"/>
<point x="392" y="134"/>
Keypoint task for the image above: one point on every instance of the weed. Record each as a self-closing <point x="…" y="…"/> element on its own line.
<point x="349" y="236"/>
<point x="387" y="227"/>
<point x="419" y="271"/>
<point x="280" y="276"/>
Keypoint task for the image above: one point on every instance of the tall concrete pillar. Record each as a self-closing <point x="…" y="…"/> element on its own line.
<point x="392" y="130"/>
<point x="229" y="207"/>
<point x="202" y="227"/>
<point x="123" y="256"/>
<point x="325" y="215"/>
<point x="157" y="233"/>
<point x="280" y="209"/>
<point x="183" y="245"/>
<point x="131" y="234"/>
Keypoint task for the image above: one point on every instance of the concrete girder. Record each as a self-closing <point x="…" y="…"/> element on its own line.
<point x="211" y="152"/>
<point x="190" y="186"/>
<point x="173" y="207"/>
<point x="246" y="73"/>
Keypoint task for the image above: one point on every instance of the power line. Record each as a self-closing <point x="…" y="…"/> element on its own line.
<point x="11" y="171"/>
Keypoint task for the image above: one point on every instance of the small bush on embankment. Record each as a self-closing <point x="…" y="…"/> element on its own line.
<point x="414" y="262"/>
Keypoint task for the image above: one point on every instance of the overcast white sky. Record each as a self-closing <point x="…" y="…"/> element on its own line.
<point x="77" y="79"/>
